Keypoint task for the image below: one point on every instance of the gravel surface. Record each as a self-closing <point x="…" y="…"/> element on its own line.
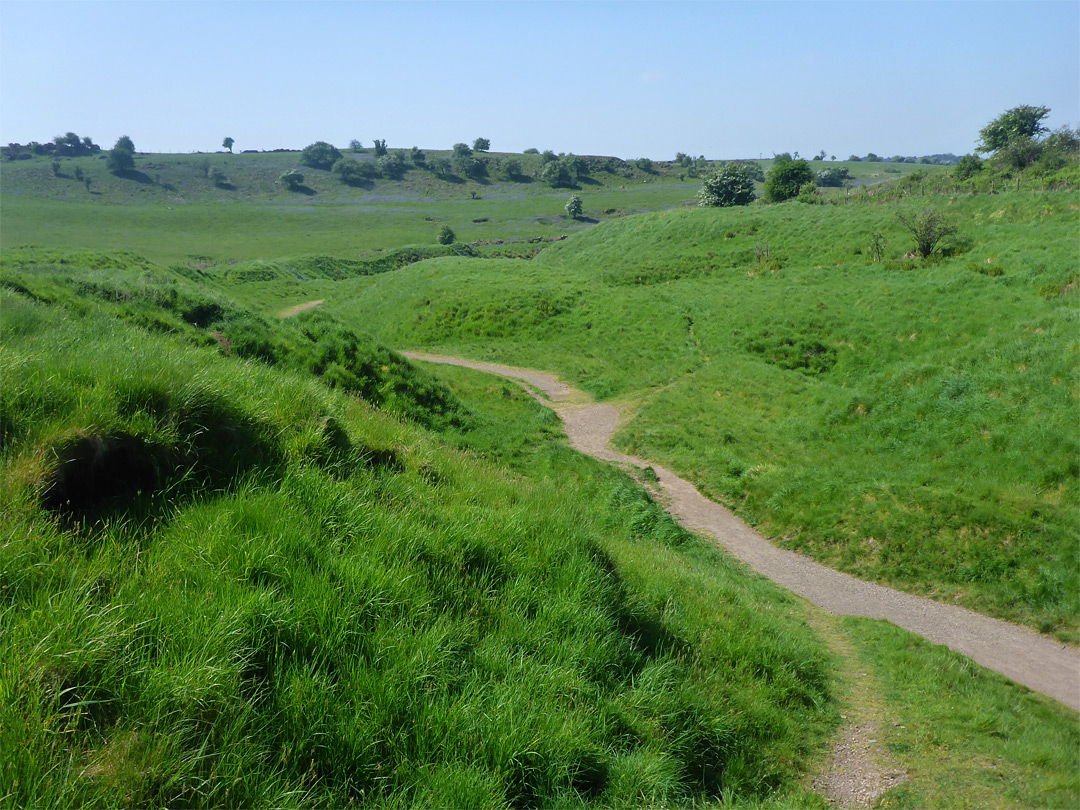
<point x="1037" y="662"/>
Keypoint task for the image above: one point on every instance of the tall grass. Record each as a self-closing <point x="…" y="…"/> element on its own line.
<point x="225" y="584"/>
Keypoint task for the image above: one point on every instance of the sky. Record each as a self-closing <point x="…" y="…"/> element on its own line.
<point x="630" y="79"/>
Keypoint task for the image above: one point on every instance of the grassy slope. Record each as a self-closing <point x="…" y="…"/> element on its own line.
<point x="169" y="212"/>
<point x="224" y="584"/>
<point x="909" y="421"/>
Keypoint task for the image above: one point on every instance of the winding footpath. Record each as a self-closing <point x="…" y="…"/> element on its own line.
<point x="1035" y="661"/>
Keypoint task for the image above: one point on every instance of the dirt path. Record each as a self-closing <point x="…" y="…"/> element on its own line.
<point x="296" y="310"/>
<point x="1039" y="663"/>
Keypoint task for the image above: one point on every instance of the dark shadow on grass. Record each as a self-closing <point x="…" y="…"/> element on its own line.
<point x="587" y="220"/>
<point x="137" y="176"/>
<point x="305" y="190"/>
<point x="226" y="186"/>
<point x="589" y="181"/>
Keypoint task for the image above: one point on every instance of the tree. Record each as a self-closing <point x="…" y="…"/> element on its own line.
<point x="462" y="150"/>
<point x="228" y="143"/>
<point x="1023" y="122"/>
<point x="481" y="145"/>
<point x="356" y="146"/>
<point x="122" y="156"/>
<point x="292" y="179"/>
<point x="380" y="147"/>
<point x="786" y="180"/>
<point x="393" y="166"/>
<point x="574" y="207"/>
<point x="419" y="159"/>
<point x="872" y="158"/>
<point x="645" y="165"/>
<point x="441" y="167"/>
<point x="471" y="166"/>
<point x="730" y="185"/>
<point x="834" y="176"/>
<point x="968" y="166"/>
<point x="783" y="157"/>
<point x="555" y="174"/>
<point x="928" y="226"/>
<point x="320" y="155"/>
<point x="446" y="235"/>
<point x="512" y="168"/>
<point x="354" y="172"/>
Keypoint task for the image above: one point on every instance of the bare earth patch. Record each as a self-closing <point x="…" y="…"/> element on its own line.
<point x="296" y="310"/>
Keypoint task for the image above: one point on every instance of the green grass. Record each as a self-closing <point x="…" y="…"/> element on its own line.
<point x="224" y="583"/>
<point x="910" y="421"/>
<point x="966" y="737"/>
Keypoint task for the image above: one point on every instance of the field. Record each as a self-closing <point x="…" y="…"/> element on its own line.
<point x="258" y="561"/>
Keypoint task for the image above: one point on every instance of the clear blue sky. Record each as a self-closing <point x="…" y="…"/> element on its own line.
<point x="631" y="79"/>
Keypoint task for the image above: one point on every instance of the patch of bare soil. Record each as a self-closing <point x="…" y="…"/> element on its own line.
<point x="1037" y="662"/>
<point x="860" y="768"/>
<point x="296" y="310"/>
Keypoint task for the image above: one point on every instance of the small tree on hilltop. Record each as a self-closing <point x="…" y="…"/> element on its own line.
<point x="122" y="156"/>
<point x="228" y="144"/>
<point x="481" y="145"/>
<point x="380" y="147"/>
<point x="730" y="185"/>
<point x="574" y="207"/>
<point x="125" y="143"/>
<point x="786" y="180"/>
<point x="462" y="150"/>
<point x="320" y="155"/>
<point x="356" y="146"/>
<point x="446" y="235"/>
<point x="929" y="227"/>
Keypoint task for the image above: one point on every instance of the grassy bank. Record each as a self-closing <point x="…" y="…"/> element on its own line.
<point x="908" y="420"/>
<point x="225" y="583"/>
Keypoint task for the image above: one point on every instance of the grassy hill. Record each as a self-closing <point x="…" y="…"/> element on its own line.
<point x="909" y="420"/>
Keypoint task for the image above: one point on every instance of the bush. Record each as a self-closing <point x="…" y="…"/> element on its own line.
<point x="461" y="150"/>
<point x="574" y="207"/>
<point x="218" y="178"/>
<point x="645" y="165"/>
<point x="120" y="161"/>
<point x="512" y="168"/>
<point x="441" y="167"/>
<point x="731" y="185"/>
<point x="354" y="172"/>
<point x="292" y="179"/>
<point x="446" y="235"/>
<point x="320" y="155"/>
<point x="380" y="147"/>
<point x="968" y="166"/>
<point x="929" y="227"/>
<point x="833" y="177"/>
<point x="786" y="180"/>
<point x="393" y="166"/>
<point x="555" y="174"/>
<point x="808" y="194"/>
<point x="481" y="145"/>
<point x="419" y="159"/>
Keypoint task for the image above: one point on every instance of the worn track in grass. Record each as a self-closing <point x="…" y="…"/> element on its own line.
<point x="1037" y="662"/>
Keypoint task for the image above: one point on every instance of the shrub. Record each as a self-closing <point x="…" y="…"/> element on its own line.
<point x="441" y="167"/>
<point x="731" y="185"/>
<point x="556" y="175"/>
<point x="574" y="207"/>
<point x="786" y="180"/>
<point x="461" y="150"/>
<point x="380" y="147"/>
<point x="218" y="178"/>
<point x="419" y="159"/>
<point x="354" y="172"/>
<point x="292" y="179"/>
<point x="929" y="227"/>
<point x="446" y="235"/>
<point x="320" y="155"/>
<point x="481" y="145"/>
<point x="833" y="177"/>
<point x="967" y="166"/>
<point x="472" y="167"/>
<point x="645" y="165"/>
<point x="512" y="168"/>
<point x="120" y="161"/>
<point x="356" y="146"/>
<point x="393" y="166"/>
<point x="808" y="194"/>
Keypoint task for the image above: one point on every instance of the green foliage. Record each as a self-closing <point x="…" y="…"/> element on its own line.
<point x="461" y="150"/>
<point x="782" y="158"/>
<point x="808" y="193"/>
<point x="418" y="157"/>
<point x="356" y="146"/>
<point x="446" y="235"/>
<point x="441" y="167"/>
<point x="968" y="166"/>
<point x="929" y="226"/>
<point x="645" y="164"/>
<point x="380" y="147"/>
<point x="556" y="175"/>
<point x="1023" y="123"/>
<point x="786" y="179"/>
<point x="320" y="155"/>
<point x="120" y="161"/>
<point x="71" y="145"/>
<point x="574" y="207"/>
<point x="512" y="169"/>
<point x="228" y="144"/>
<point x="472" y="167"/>
<point x="730" y="185"/>
<point x="291" y="179"/>
<point x="393" y="166"/>
<point x="832" y="177"/>
<point x="355" y="172"/>
<point x="481" y="145"/>
<point x="125" y="143"/>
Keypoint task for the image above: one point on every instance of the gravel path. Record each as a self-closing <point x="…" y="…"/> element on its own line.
<point x="1035" y="661"/>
